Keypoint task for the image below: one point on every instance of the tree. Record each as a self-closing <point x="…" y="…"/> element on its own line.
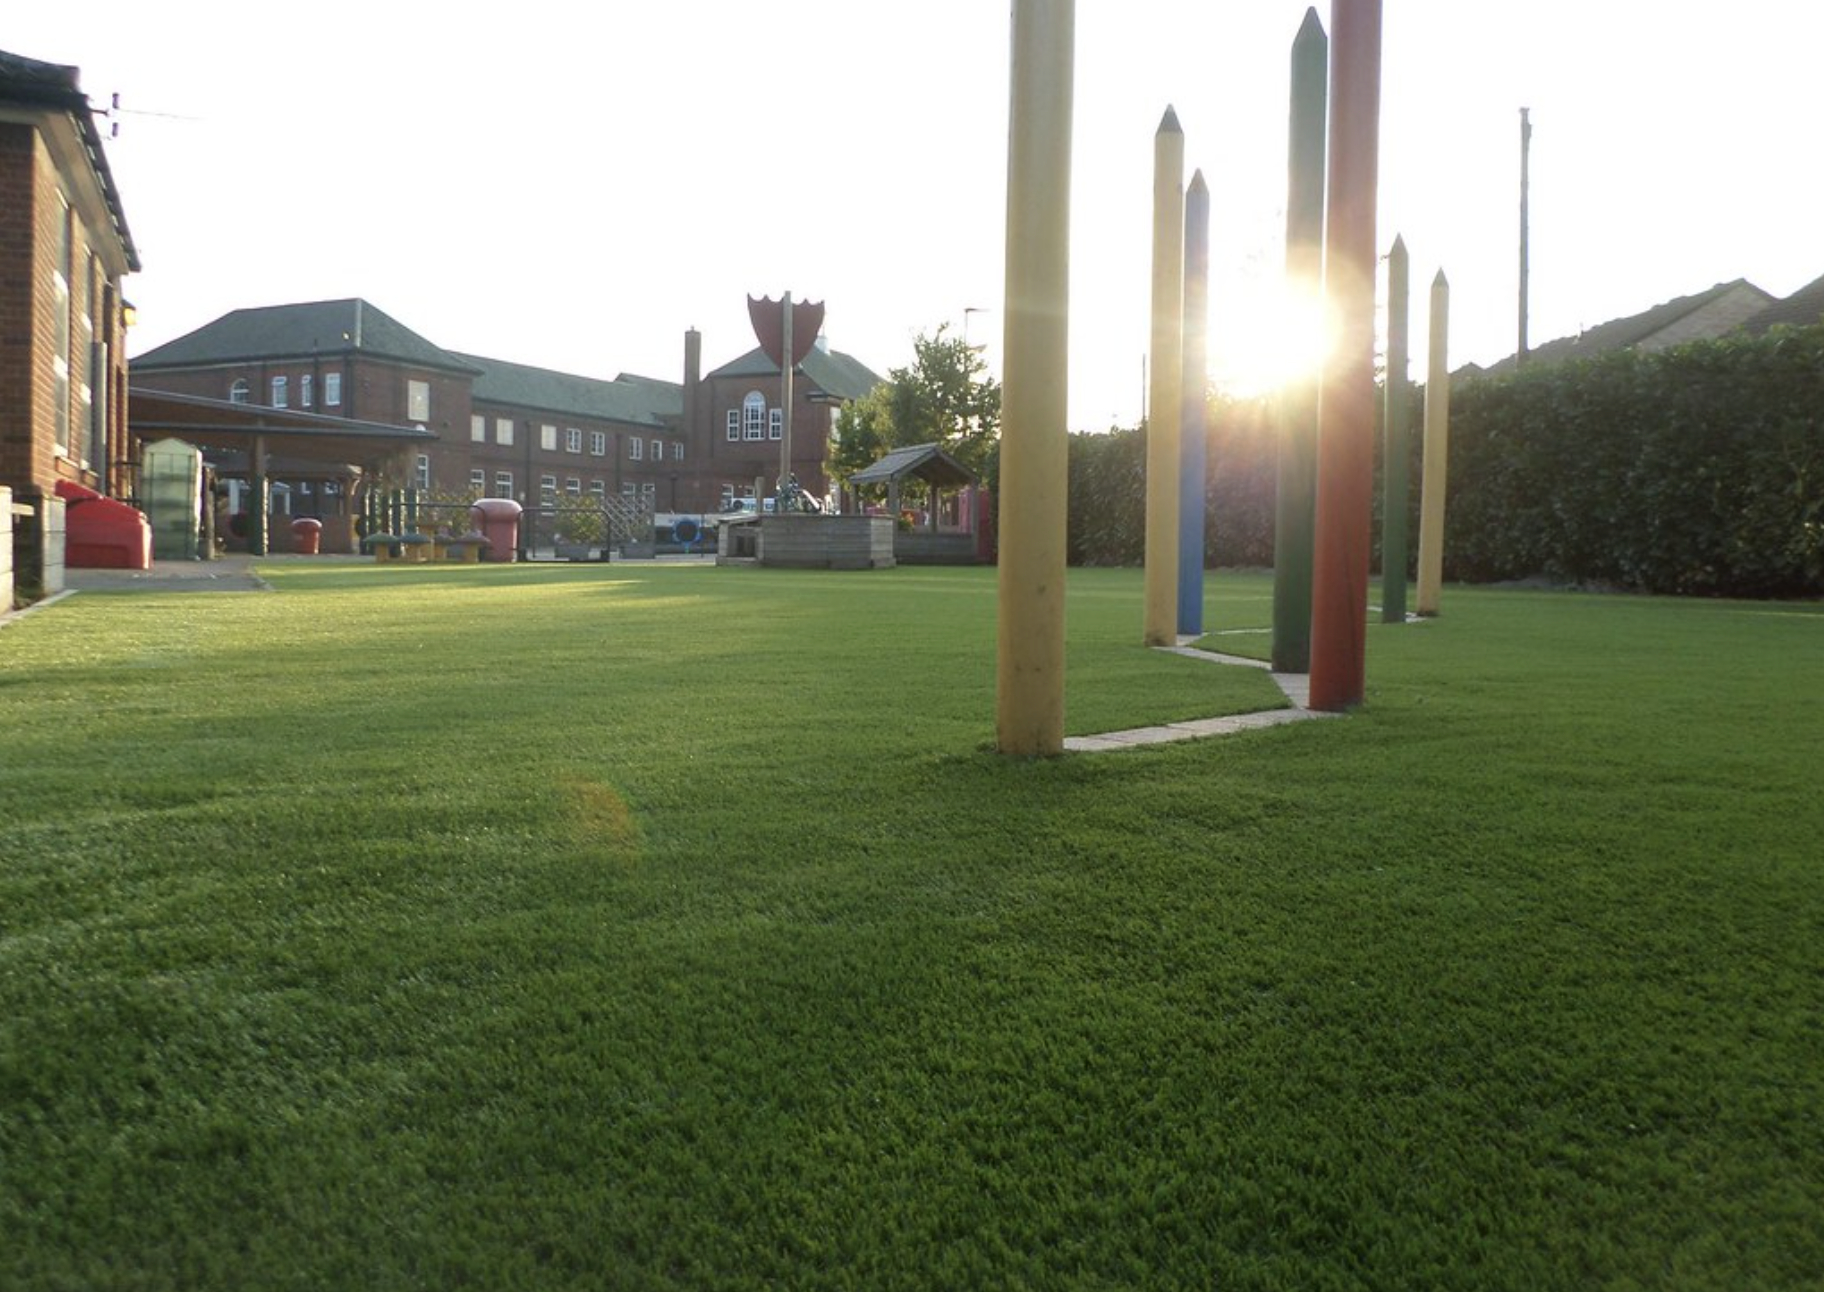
<point x="945" y="397"/>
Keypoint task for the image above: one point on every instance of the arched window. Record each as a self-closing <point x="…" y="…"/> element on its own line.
<point x="753" y="415"/>
<point x="240" y="392"/>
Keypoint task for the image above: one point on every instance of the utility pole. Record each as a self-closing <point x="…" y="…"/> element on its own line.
<point x="1526" y="148"/>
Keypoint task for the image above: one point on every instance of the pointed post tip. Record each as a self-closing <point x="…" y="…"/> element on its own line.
<point x="1312" y="26"/>
<point x="1399" y="245"/>
<point x="1197" y="184"/>
<point x="1440" y="280"/>
<point x="1168" y="124"/>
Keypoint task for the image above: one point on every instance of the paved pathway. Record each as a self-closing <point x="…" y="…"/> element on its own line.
<point x="1295" y="686"/>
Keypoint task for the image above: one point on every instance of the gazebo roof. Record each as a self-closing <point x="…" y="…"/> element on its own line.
<point x="926" y="462"/>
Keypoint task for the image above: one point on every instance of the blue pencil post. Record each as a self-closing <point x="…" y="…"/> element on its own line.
<point x="1192" y="429"/>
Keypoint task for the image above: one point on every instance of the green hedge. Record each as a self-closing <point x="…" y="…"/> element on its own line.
<point x="1696" y="470"/>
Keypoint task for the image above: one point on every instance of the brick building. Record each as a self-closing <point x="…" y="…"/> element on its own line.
<point x="512" y="430"/>
<point x="64" y="251"/>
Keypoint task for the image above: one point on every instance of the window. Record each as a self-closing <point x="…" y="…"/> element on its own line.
<point x="63" y="303"/>
<point x="649" y="490"/>
<point x="332" y="390"/>
<point x="418" y="400"/>
<point x="573" y="440"/>
<point x="636" y="449"/>
<point x="547" y="485"/>
<point x="503" y="433"/>
<point x="279" y="393"/>
<point x="597" y="488"/>
<point x="478" y="482"/>
<point x="775" y="424"/>
<point x="658" y="450"/>
<point x="240" y="392"/>
<point x="629" y="489"/>
<point x="753" y="416"/>
<point x="503" y="484"/>
<point x="728" y="498"/>
<point x="478" y="429"/>
<point x="573" y="487"/>
<point x="547" y="438"/>
<point x="598" y="443"/>
<point x="306" y="390"/>
<point x="677" y="450"/>
<point x="734" y="423"/>
<point x="423" y="473"/>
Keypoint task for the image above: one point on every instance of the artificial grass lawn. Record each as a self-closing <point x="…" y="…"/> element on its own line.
<point x="620" y="927"/>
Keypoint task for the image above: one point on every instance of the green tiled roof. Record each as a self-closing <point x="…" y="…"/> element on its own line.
<point x="278" y="332"/>
<point x="636" y="401"/>
<point x="836" y="374"/>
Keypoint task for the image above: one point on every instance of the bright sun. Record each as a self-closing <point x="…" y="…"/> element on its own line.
<point x="1266" y="338"/>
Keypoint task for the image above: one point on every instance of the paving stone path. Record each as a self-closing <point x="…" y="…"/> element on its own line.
<point x="1295" y="686"/>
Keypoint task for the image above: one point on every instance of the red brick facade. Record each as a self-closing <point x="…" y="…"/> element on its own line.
<point x="62" y="352"/>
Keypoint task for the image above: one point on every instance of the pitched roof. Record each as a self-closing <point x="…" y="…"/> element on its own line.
<point x="833" y="373"/>
<point x="301" y="332"/>
<point x="1803" y="308"/>
<point x="639" y="401"/>
<point x="1624" y="333"/>
<point x="57" y="88"/>
<point x="925" y="461"/>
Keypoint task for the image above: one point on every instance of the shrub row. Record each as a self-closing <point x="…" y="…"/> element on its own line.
<point x="1697" y="470"/>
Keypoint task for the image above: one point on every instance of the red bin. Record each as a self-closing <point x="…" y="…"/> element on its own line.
<point x="497" y="520"/>
<point x="306" y="535"/>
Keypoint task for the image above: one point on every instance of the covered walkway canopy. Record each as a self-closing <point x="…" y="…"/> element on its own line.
<point x="258" y="440"/>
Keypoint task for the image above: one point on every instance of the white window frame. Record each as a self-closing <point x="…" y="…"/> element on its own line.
<point x="775" y="423"/>
<point x="307" y="390"/>
<point x="503" y="435"/>
<point x="598" y="443"/>
<point x="241" y="392"/>
<point x="478" y="429"/>
<point x="547" y="486"/>
<point x="418" y="401"/>
<point x="677" y="450"/>
<point x="636" y="449"/>
<point x="573" y="486"/>
<point x="332" y="390"/>
<point x="547" y="438"/>
<point x="573" y="440"/>
<point x="753" y="416"/>
<point x="281" y="393"/>
<point x="658" y="451"/>
<point x="422" y="471"/>
<point x="598" y="488"/>
<point x="503" y="484"/>
<point x="478" y="482"/>
<point x="734" y="425"/>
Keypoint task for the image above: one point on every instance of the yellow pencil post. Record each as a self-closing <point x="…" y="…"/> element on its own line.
<point x="1029" y="677"/>
<point x="1166" y="389"/>
<point x="1437" y="450"/>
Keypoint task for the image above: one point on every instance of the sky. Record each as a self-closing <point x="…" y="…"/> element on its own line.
<point x="573" y="186"/>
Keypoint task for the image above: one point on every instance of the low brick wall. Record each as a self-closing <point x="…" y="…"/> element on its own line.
<point x="826" y="542"/>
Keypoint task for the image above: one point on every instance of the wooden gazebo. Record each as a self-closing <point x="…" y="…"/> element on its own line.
<point x="937" y="541"/>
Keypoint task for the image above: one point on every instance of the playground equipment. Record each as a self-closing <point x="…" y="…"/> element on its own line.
<point x="1296" y="497"/>
<point x="1029" y="656"/>
<point x="1166" y="396"/>
<point x="1437" y="450"/>
<point x="1345" y="436"/>
<point x="1193" y="436"/>
<point x="1396" y="491"/>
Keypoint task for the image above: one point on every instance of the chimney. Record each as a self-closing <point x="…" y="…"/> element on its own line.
<point x="693" y="377"/>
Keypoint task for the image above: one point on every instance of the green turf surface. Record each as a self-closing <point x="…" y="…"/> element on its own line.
<point x="655" y="927"/>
